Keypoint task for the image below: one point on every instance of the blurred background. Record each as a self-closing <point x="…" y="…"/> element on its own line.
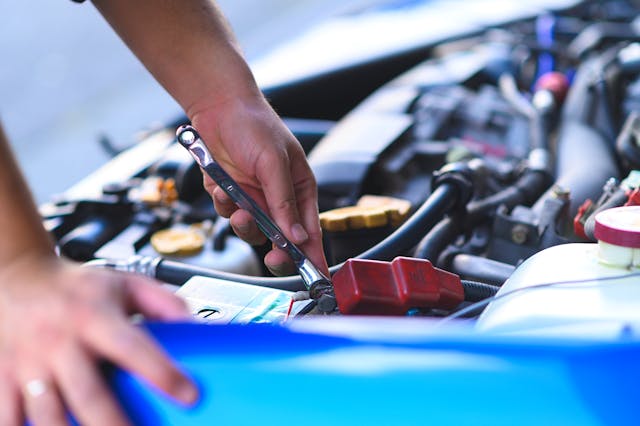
<point x="67" y="80"/>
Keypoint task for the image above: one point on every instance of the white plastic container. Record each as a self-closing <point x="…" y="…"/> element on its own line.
<point x="585" y="290"/>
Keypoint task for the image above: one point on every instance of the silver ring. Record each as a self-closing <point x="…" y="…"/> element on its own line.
<point x="35" y="387"/>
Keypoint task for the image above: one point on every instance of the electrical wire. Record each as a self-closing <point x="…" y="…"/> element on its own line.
<point x="485" y="302"/>
<point x="475" y="291"/>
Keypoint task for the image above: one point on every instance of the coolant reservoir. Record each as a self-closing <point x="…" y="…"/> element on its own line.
<point x="582" y="289"/>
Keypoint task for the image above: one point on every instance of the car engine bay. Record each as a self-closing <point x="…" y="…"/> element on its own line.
<point x="441" y="172"/>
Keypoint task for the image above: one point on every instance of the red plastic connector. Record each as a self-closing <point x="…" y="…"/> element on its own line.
<point x="371" y="287"/>
<point x="581" y="217"/>
<point x="633" y="198"/>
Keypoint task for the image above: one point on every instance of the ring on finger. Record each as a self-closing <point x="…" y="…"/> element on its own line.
<point x="35" y="387"/>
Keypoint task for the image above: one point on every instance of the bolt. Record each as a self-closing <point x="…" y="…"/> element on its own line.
<point x="327" y="303"/>
<point x="561" y="193"/>
<point x="519" y="234"/>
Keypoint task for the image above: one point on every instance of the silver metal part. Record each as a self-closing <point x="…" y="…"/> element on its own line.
<point x="143" y="265"/>
<point x="540" y="159"/>
<point x="543" y="101"/>
<point x="315" y="281"/>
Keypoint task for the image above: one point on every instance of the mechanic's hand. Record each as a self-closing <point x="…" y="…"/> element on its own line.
<point x="57" y="320"/>
<point x="254" y="146"/>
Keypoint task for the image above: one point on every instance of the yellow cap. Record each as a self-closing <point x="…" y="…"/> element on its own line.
<point x="178" y="241"/>
<point x="371" y="211"/>
<point x="397" y="208"/>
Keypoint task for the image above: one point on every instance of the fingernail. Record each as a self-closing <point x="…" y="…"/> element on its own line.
<point x="187" y="393"/>
<point x="282" y="269"/>
<point x="277" y="270"/>
<point x="299" y="234"/>
<point x="243" y="228"/>
<point x="219" y="197"/>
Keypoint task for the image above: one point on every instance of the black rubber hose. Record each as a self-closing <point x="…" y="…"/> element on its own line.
<point x="440" y="236"/>
<point x="441" y="200"/>
<point x="439" y="203"/>
<point x="585" y="161"/>
<point x="481" y="269"/>
<point x="524" y="191"/>
<point x="178" y="273"/>
<point x="475" y="291"/>
<point x="585" y="157"/>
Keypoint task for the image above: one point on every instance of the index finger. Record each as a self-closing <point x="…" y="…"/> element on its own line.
<point x="273" y="170"/>
<point x="307" y="200"/>
<point x="132" y="349"/>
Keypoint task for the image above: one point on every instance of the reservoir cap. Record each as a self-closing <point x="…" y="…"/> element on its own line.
<point x="371" y="211"/>
<point x="619" y="226"/>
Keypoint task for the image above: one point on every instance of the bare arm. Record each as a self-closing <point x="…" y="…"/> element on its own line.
<point x="76" y="315"/>
<point x="57" y="319"/>
<point x="20" y="223"/>
<point x="186" y="45"/>
<point x="189" y="48"/>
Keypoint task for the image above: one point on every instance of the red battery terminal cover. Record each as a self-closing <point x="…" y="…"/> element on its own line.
<point x="372" y="287"/>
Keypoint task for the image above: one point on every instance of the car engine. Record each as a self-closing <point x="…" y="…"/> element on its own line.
<point x="441" y="170"/>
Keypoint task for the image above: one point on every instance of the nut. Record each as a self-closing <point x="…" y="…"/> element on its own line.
<point x="519" y="234"/>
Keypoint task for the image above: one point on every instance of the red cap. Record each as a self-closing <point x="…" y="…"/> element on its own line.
<point x="619" y="226"/>
<point x="556" y="83"/>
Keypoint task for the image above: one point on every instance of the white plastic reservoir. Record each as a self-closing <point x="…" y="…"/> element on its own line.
<point x="582" y="289"/>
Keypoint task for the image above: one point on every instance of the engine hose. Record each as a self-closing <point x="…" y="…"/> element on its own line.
<point x="440" y="236"/>
<point x="475" y="291"/>
<point x="585" y="160"/>
<point x="525" y="191"/>
<point x="481" y="269"/>
<point x="585" y="156"/>
<point x="178" y="273"/>
<point x="441" y="200"/>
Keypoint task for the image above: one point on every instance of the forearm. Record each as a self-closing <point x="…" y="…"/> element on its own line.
<point x="187" y="46"/>
<point x="189" y="49"/>
<point x="21" y="231"/>
<point x="79" y="315"/>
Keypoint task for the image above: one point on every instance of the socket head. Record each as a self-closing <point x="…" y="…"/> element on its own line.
<point x="186" y="135"/>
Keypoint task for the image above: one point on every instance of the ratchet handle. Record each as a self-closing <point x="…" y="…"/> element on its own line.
<point x="242" y="199"/>
<point x="190" y="139"/>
